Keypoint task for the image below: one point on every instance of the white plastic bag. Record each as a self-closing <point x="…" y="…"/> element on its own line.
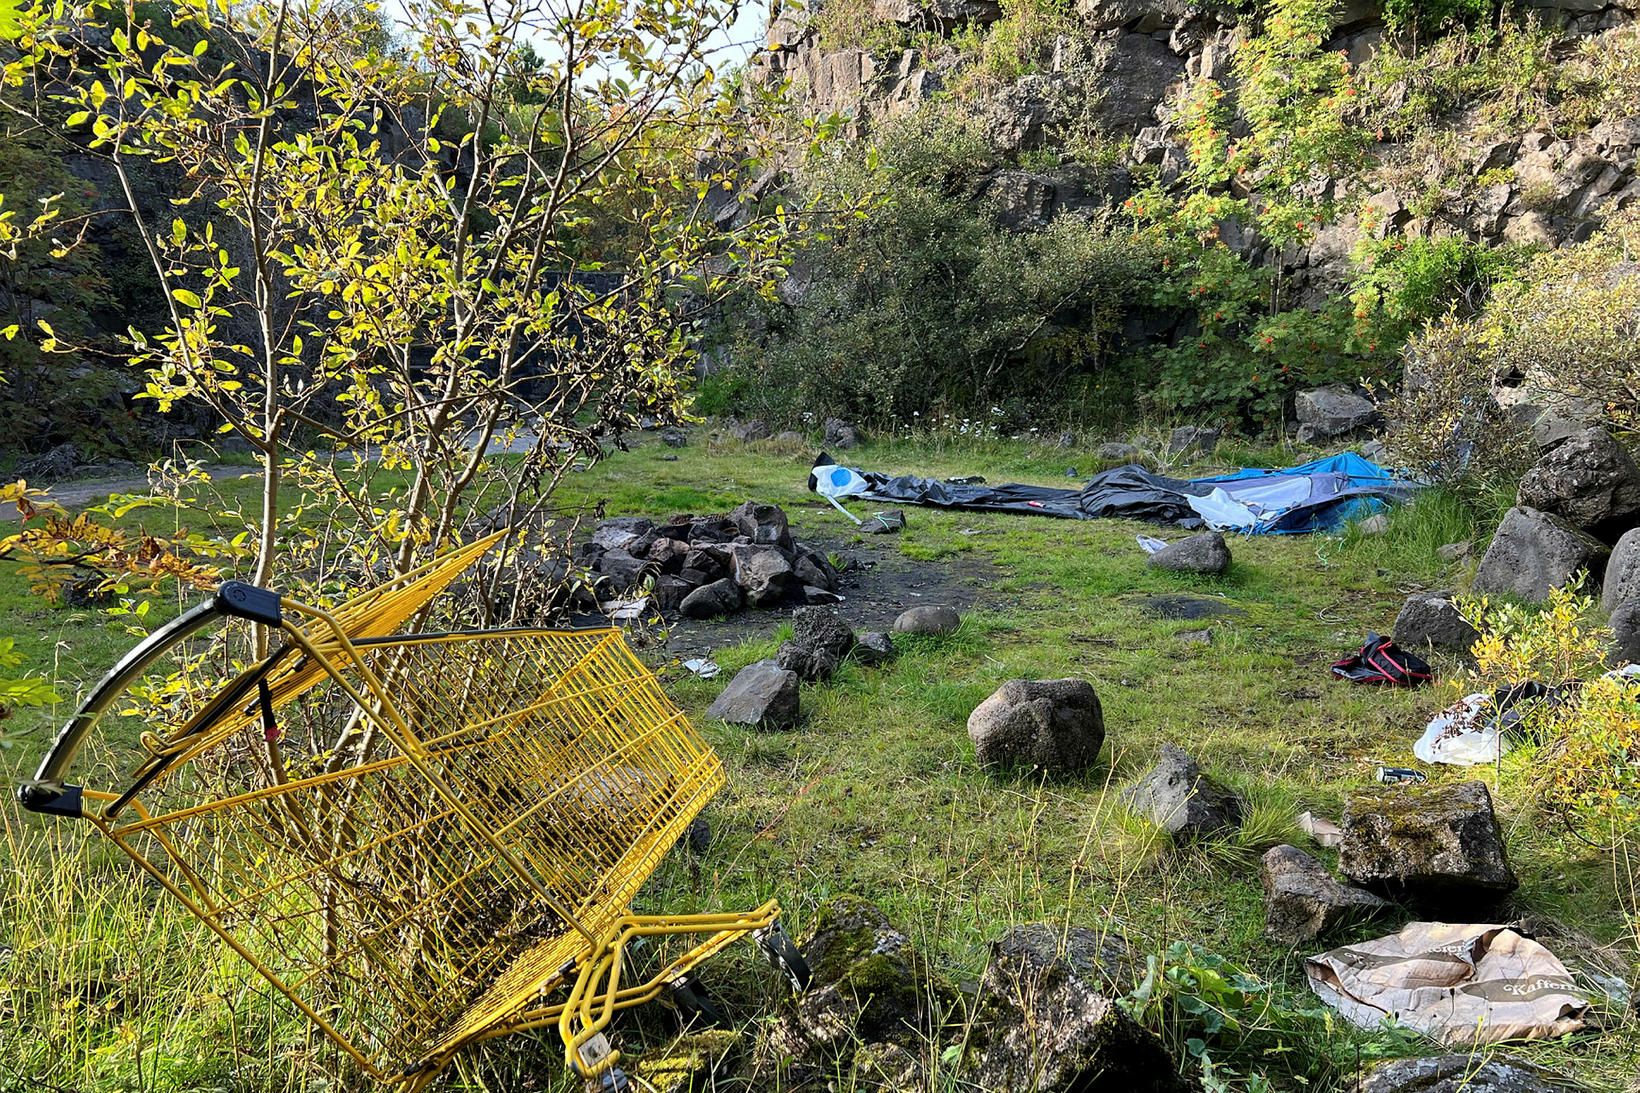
<point x="1464" y="734"/>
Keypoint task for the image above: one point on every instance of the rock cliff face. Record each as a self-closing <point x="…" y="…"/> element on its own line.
<point x="1120" y="74"/>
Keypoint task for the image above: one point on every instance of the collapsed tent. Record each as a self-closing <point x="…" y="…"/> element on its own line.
<point x="1316" y="496"/>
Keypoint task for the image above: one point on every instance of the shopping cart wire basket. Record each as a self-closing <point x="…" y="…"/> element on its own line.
<point x="422" y="840"/>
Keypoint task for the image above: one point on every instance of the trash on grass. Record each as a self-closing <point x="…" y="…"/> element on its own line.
<point x="702" y="667"/>
<point x="624" y="610"/>
<point x="1391" y="776"/>
<point x="1150" y="544"/>
<point x="1319" y="496"/>
<point x="1381" y="661"/>
<point x="1471" y="730"/>
<point x="884" y="523"/>
<point x="1458" y="984"/>
<point x="1325" y="833"/>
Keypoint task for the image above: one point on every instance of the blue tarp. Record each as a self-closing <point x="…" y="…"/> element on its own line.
<point x="1318" y="496"/>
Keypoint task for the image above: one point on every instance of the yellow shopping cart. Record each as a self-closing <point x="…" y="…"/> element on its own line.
<point x="422" y="840"/>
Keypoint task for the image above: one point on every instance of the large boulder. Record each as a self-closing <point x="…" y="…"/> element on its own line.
<point x="1625" y="625"/>
<point x="1053" y="725"/>
<point x="1193" y="439"/>
<point x="820" y="642"/>
<point x="1621" y="584"/>
<point x="931" y="618"/>
<point x="1143" y="16"/>
<point x="711" y="600"/>
<point x="1432" y="620"/>
<point x="1049" y="1022"/>
<point x="1303" y="901"/>
<point x="620" y="532"/>
<point x="1462" y="1074"/>
<point x="1590" y="480"/>
<point x="870" y="987"/>
<point x="1533" y="552"/>
<point x="763" y="573"/>
<point x="1205" y="552"/>
<point x="1327" y="413"/>
<point x="838" y="433"/>
<point x="762" y="695"/>
<point x="1435" y="846"/>
<point x="1178" y="798"/>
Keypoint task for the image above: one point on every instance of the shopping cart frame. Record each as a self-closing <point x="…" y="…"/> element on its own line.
<point x="595" y="991"/>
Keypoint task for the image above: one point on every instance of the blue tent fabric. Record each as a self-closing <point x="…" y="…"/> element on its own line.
<point x="1321" y="495"/>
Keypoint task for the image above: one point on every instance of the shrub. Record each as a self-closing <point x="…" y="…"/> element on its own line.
<point x="926" y="301"/>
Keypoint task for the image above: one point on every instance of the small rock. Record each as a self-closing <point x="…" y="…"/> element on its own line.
<point x="1054" y="725"/>
<point x="820" y="642"/>
<point x="1067" y="440"/>
<point x="1195" y="637"/>
<point x="1433" y="845"/>
<point x="1373" y="526"/>
<point x="1456" y="552"/>
<point x="1433" y="621"/>
<point x="1199" y="439"/>
<point x="840" y="434"/>
<point x="674" y="438"/>
<point x="820" y="597"/>
<point x="669" y="592"/>
<point x="748" y="431"/>
<point x="1202" y="553"/>
<point x="698" y="836"/>
<point x="873" y="648"/>
<point x="762" y="695"/>
<point x="711" y="601"/>
<point x="622" y="569"/>
<point x="1622" y="581"/>
<point x="789" y="436"/>
<point x="1303" y="901"/>
<point x="1178" y="798"/>
<point x="1533" y="553"/>
<point x="928" y="619"/>
<point x="763" y="574"/>
<point x="1117" y="453"/>
<point x="1590" y="480"/>
<point x="1465" y="1073"/>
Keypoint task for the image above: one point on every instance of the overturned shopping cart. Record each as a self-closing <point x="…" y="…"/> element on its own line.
<point x="422" y="840"/>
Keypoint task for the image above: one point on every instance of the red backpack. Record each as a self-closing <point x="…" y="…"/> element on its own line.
<point x="1382" y="661"/>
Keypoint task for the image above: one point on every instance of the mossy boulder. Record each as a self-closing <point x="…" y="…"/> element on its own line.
<point x="1434" y="846"/>
<point x="688" y="1062"/>
<point x="871" y="988"/>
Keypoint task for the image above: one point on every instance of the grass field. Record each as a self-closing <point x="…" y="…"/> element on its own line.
<point x="104" y="986"/>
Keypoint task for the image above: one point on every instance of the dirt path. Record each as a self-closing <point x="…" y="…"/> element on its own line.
<point x="77" y="493"/>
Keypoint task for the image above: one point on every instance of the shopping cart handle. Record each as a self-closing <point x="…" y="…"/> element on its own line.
<point x="47" y="792"/>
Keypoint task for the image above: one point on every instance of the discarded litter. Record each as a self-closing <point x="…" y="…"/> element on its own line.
<point x="1390" y="776"/>
<point x="884" y="523"/>
<point x="1325" y="833"/>
<point x="624" y="610"/>
<point x="1458" y="984"/>
<point x="1150" y="544"/>
<point x="705" y="669"/>
<point x="1381" y="661"/>
<point x="1317" y="496"/>
<point x="1470" y="731"/>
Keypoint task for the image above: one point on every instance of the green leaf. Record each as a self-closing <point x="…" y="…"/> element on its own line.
<point x="11" y="19"/>
<point x="76" y="119"/>
<point x="186" y="298"/>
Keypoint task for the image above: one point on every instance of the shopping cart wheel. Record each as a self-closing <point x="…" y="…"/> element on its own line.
<point x="777" y="945"/>
<point x="694" y="1005"/>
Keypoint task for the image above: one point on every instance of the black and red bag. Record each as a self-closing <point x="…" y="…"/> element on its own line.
<point x="1383" y="662"/>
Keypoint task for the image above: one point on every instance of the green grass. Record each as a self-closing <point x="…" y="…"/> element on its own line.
<point x="878" y="792"/>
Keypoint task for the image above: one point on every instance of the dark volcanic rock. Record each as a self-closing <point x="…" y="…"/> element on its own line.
<point x="763" y="573"/>
<point x="1053" y="725"/>
<point x="711" y="601"/>
<point x="820" y="642"/>
<point x="762" y="695"/>
<point x="1434" y="621"/>
<point x="1533" y="553"/>
<point x="1621" y="584"/>
<point x="1303" y="901"/>
<point x="1328" y="413"/>
<point x="1430" y="845"/>
<point x="873" y="648"/>
<point x="1049" y="1022"/>
<point x="1463" y="1074"/>
<point x="1202" y="553"/>
<point x="928" y="619"/>
<point x="765" y="525"/>
<point x="1178" y="798"/>
<point x="1590" y="480"/>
